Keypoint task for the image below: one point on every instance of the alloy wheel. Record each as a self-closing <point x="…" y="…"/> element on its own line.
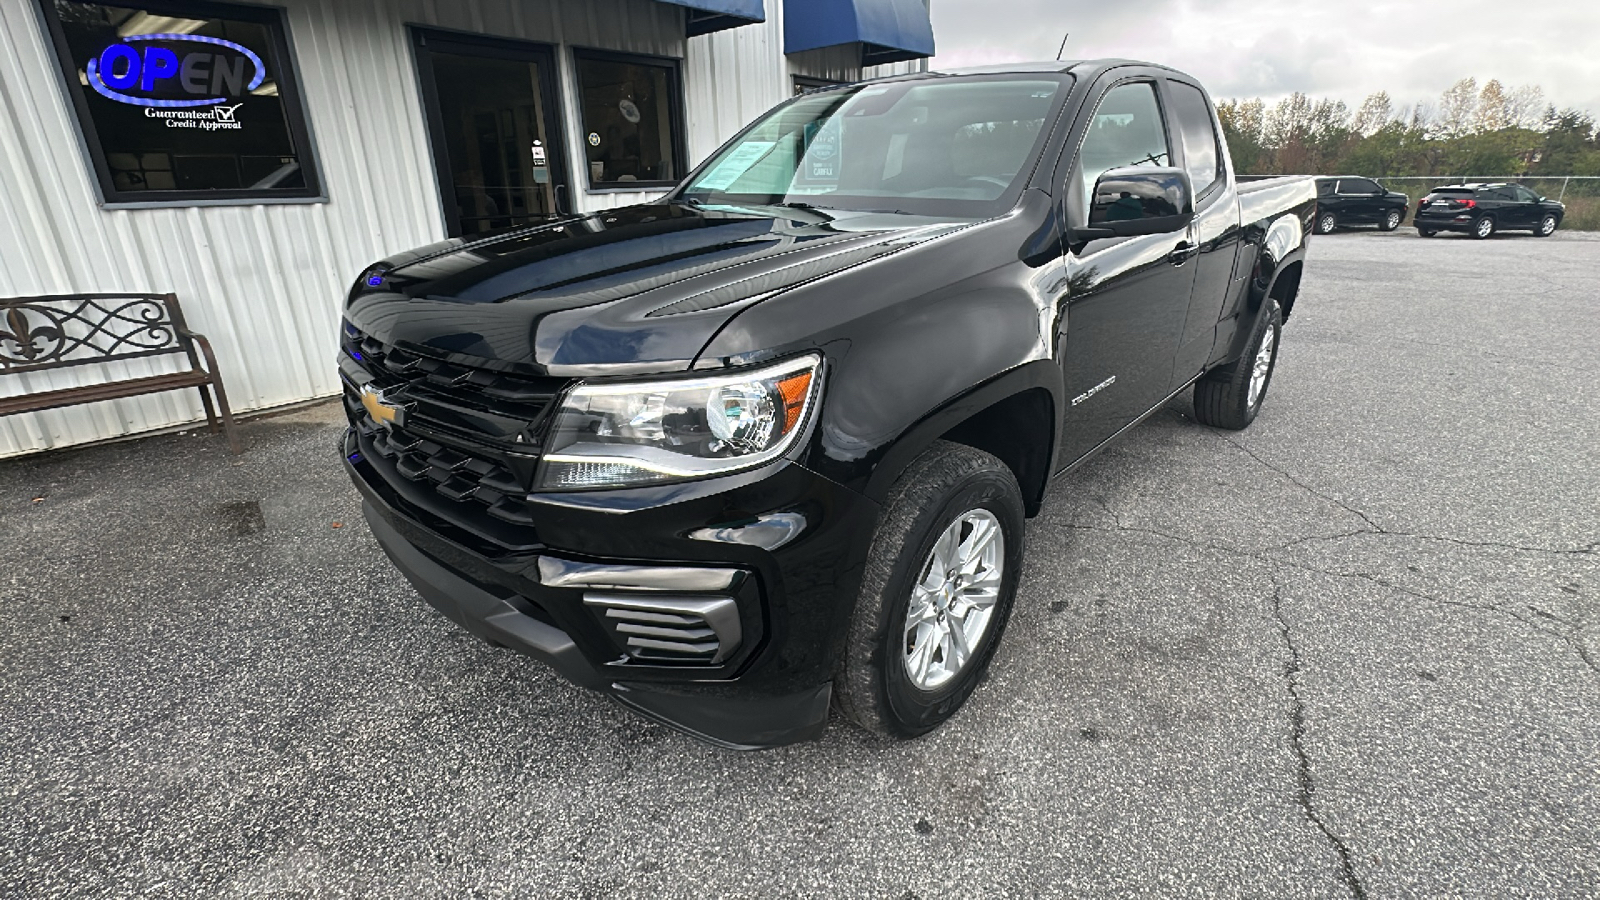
<point x="954" y="600"/>
<point x="1485" y="227"/>
<point x="1547" y="225"/>
<point x="1392" y="222"/>
<point x="1262" y="365"/>
<point x="1325" y="225"/>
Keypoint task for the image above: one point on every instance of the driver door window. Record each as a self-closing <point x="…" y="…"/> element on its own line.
<point x="1126" y="131"/>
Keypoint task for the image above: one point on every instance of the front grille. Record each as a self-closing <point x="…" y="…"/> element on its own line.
<point x="455" y="475"/>
<point x="440" y="378"/>
<point x="670" y="629"/>
<point x="470" y="432"/>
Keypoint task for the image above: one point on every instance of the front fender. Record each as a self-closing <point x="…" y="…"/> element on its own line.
<point x="1039" y="375"/>
<point x="907" y="337"/>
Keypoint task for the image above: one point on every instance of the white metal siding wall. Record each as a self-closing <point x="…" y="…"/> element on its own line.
<point x="265" y="282"/>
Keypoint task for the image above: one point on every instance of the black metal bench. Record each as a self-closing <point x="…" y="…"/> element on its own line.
<point x="38" y="334"/>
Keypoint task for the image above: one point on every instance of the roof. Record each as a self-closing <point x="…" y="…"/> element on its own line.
<point x="1051" y="66"/>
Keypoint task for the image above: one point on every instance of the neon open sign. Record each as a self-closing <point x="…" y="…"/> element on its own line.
<point x="125" y="67"/>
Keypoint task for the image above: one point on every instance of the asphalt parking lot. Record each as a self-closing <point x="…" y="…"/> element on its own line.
<point x="1352" y="651"/>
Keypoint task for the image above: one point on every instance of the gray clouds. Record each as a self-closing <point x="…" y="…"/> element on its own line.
<point x="1344" y="51"/>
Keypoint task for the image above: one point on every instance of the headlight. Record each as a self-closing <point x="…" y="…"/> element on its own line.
<point x="620" y="435"/>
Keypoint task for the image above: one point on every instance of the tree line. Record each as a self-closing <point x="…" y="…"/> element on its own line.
<point x="1470" y="131"/>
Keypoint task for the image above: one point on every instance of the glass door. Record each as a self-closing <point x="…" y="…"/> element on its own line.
<point x="495" y="128"/>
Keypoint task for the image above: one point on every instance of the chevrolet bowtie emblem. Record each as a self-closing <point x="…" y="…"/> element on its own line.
<point x="381" y="411"/>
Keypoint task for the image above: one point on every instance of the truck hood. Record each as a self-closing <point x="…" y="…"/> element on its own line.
<point x="633" y="290"/>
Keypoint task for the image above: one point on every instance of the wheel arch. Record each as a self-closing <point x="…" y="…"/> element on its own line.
<point x="1015" y="416"/>
<point x="1276" y="274"/>
<point x="1286" y="286"/>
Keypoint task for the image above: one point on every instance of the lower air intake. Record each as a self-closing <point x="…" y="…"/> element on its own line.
<point x="668" y="628"/>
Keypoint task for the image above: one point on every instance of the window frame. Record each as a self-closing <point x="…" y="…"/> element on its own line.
<point x="1201" y="198"/>
<point x="276" y="21"/>
<point x="677" y="125"/>
<point x="1074" y="168"/>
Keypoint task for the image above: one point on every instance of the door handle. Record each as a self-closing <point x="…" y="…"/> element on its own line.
<point x="1181" y="253"/>
<point x="561" y="200"/>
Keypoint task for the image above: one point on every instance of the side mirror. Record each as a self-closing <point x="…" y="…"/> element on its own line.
<point x="1135" y="200"/>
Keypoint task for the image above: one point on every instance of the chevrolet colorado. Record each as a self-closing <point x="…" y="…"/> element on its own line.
<point x="767" y="445"/>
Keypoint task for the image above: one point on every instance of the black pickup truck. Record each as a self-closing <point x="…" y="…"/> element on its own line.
<point x="767" y="445"/>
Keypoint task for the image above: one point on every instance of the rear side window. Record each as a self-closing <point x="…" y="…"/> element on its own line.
<point x="1200" y="153"/>
<point x="1126" y="131"/>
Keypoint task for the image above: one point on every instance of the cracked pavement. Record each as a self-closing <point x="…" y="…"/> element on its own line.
<point x="1350" y="652"/>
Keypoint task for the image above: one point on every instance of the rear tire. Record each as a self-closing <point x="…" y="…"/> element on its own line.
<point x="881" y="683"/>
<point x="1547" y="226"/>
<point x="1231" y="397"/>
<point x="1391" y="220"/>
<point x="1426" y="232"/>
<point x="1483" y="228"/>
<point x="1326" y="223"/>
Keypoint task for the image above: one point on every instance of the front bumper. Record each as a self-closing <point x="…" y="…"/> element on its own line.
<point x="552" y="596"/>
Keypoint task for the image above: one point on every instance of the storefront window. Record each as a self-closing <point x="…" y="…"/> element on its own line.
<point x="185" y="101"/>
<point x="803" y="83"/>
<point x="631" y="119"/>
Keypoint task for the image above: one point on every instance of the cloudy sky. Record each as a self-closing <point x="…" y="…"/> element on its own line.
<point x="1344" y="50"/>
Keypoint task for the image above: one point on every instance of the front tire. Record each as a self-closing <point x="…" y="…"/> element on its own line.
<point x="1326" y="223"/>
<point x="1231" y="397"/>
<point x="1391" y="221"/>
<point x="1547" y="226"/>
<point x="1483" y="228"/>
<point x="936" y="592"/>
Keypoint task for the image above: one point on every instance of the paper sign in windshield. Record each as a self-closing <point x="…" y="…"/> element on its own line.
<point x="733" y="165"/>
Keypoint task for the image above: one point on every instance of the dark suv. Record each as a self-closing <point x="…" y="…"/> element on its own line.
<point x="1482" y="209"/>
<point x="1352" y="200"/>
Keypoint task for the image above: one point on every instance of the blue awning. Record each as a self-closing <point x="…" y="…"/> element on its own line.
<point x="706" y="16"/>
<point x="887" y="30"/>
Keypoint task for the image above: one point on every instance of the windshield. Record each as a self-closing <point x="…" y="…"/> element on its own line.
<point x="945" y="148"/>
